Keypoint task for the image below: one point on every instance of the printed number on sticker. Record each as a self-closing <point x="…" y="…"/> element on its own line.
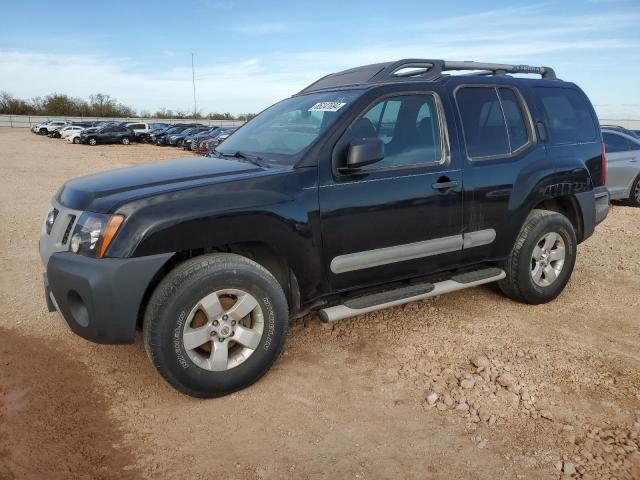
<point x="327" y="107"/>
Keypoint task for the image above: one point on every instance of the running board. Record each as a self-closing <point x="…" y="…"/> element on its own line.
<point x="400" y="296"/>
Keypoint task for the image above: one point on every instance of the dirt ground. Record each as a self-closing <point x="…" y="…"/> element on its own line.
<point x="469" y="385"/>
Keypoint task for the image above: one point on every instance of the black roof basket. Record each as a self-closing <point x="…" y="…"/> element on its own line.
<point x="420" y="70"/>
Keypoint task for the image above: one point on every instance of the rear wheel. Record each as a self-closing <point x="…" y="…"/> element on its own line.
<point x="126" y="141"/>
<point x="76" y="140"/>
<point x="542" y="259"/>
<point x="215" y="324"/>
<point x="634" y="198"/>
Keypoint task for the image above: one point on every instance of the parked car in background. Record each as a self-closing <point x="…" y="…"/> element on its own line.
<point x="621" y="129"/>
<point x="50" y="126"/>
<point x="161" y="137"/>
<point x="70" y="130"/>
<point x="203" y="144"/>
<point x="218" y="139"/>
<point x="191" y="141"/>
<point x="623" y="164"/>
<point x="177" y="139"/>
<point x="141" y="129"/>
<point x="107" y="134"/>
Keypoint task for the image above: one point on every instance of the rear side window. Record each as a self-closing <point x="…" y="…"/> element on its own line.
<point x="568" y="115"/>
<point x="137" y="126"/>
<point x="615" y="143"/>
<point x="493" y="121"/>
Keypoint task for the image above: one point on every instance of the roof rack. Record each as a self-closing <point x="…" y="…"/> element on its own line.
<point x="421" y="70"/>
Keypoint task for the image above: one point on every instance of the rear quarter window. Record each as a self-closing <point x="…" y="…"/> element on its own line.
<point x="568" y="114"/>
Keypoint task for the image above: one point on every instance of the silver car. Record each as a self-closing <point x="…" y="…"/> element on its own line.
<point x="623" y="164"/>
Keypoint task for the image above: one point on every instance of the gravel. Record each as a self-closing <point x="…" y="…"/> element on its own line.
<point x="410" y="390"/>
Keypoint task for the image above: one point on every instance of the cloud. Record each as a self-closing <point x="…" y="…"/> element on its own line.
<point x="576" y="45"/>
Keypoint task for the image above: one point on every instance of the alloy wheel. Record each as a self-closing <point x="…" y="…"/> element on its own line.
<point x="547" y="259"/>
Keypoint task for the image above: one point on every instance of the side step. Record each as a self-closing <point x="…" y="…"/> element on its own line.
<point x="412" y="293"/>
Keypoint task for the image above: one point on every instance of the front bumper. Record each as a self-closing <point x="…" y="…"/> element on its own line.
<point x="100" y="299"/>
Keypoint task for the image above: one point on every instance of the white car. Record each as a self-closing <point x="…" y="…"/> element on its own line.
<point x="70" y="130"/>
<point x="49" y="126"/>
<point x="74" y="137"/>
<point x="139" y="127"/>
<point x="623" y="164"/>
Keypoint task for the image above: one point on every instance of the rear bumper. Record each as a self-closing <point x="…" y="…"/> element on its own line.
<point x="100" y="299"/>
<point x="602" y="198"/>
<point x="594" y="207"/>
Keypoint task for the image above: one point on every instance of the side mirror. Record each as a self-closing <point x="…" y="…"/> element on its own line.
<point x="363" y="151"/>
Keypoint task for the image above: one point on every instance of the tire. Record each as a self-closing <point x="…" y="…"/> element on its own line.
<point x="530" y="278"/>
<point x="174" y="308"/>
<point x="44" y="131"/>
<point x="126" y="141"/>
<point x="634" y="196"/>
<point x="179" y="144"/>
<point x="92" y="141"/>
<point x="76" y="140"/>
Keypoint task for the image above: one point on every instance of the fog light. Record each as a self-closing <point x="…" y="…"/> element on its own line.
<point x="75" y="243"/>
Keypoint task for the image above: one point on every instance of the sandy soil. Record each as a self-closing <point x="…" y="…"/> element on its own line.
<point x="470" y="385"/>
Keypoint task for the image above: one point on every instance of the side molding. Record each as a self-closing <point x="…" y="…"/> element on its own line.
<point x="410" y="251"/>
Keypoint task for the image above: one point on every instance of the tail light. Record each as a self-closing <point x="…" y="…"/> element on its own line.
<point x="604" y="165"/>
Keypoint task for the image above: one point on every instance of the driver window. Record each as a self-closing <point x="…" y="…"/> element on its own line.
<point x="408" y="125"/>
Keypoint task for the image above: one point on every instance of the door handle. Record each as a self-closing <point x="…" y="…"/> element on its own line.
<point x="446" y="184"/>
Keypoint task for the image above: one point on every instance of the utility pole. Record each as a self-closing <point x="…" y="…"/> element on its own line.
<point x="193" y="79"/>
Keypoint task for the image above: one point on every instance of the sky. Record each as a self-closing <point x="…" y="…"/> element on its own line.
<point x="250" y="54"/>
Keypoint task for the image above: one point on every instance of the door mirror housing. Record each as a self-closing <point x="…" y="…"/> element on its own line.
<point x="363" y="151"/>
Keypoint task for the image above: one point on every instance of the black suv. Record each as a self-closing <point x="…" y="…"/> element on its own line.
<point x="107" y="134"/>
<point x="372" y="187"/>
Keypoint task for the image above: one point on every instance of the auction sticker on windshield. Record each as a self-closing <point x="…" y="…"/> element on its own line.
<point x="327" y="107"/>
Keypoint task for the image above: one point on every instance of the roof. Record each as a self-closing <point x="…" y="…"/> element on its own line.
<point x="419" y="70"/>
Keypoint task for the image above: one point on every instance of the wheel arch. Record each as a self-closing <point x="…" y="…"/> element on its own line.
<point x="260" y="252"/>
<point x="569" y="207"/>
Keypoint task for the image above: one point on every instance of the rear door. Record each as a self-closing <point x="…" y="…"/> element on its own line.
<point x="401" y="217"/>
<point x="503" y="164"/>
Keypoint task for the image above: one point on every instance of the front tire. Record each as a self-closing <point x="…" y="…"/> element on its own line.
<point x="76" y="140"/>
<point x="126" y="141"/>
<point x="634" y="197"/>
<point x="215" y="324"/>
<point x="92" y="142"/>
<point x="542" y="259"/>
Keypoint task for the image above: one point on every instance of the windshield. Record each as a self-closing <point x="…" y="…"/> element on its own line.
<point x="285" y="130"/>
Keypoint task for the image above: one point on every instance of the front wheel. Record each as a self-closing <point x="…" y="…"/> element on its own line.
<point x="634" y="197"/>
<point x="92" y="141"/>
<point x="126" y="141"/>
<point x="215" y="324"/>
<point x="542" y="259"/>
<point x="76" y="140"/>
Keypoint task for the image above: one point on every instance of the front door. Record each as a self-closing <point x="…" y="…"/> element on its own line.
<point x="402" y="216"/>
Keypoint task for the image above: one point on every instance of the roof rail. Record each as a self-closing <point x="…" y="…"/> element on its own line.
<point x="420" y="70"/>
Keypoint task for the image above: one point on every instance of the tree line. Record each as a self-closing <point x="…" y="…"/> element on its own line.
<point x="98" y="105"/>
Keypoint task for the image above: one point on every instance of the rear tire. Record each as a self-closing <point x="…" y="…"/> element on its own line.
<point x="126" y="141"/>
<point x="542" y="259"/>
<point x="76" y="140"/>
<point x="634" y="197"/>
<point x="193" y="299"/>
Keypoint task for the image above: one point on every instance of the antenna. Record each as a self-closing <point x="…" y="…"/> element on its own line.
<point x="193" y="79"/>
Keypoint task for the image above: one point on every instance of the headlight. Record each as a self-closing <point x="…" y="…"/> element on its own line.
<point x="93" y="234"/>
<point x="51" y="218"/>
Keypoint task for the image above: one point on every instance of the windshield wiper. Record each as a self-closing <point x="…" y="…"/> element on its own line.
<point x="255" y="159"/>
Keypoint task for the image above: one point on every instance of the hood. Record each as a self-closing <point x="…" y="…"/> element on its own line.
<point x="105" y="192"/>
